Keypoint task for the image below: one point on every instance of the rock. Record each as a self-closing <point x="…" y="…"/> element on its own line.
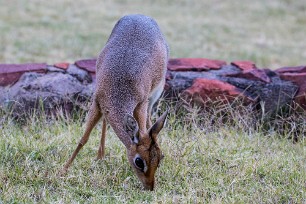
<point x="264" y="89"/>
<point x="178" y="81"/>
<point x="194" y="64"/>
<point x="80" y="74"/>
<point x="300" y="80"/>
<point x="244" y="65"/>
<point x="199" y="79"/>
<point x="207" y="90"/>
<point x="87" y="64"/>
<point x="298" y="69"/>
<point x="252" y="74"/>
<point x="54" y="69"/>
<point x="296" y="75"/>
<point x="62" y="65"/>
<point x="10" y="73"/>
<point x="271" y="97"/>
<point x="49" y="92"/>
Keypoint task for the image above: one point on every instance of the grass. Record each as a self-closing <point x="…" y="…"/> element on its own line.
<point x="270" y="33"/>
<point x="225" y="163"/>
<point x="206" y="159"/>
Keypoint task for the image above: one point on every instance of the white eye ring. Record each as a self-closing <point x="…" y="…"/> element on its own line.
<point x="145" y="168"/>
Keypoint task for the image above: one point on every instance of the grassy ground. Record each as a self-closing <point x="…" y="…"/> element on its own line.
<point x="223" y="163"/>
<point x="271" y="33"/>
<point x="227" y="163"/>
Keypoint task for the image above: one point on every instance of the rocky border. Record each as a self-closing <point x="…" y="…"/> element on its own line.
<point x="63" y="85"/>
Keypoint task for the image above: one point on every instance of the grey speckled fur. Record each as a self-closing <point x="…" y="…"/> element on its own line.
<point x="132" y="63"/>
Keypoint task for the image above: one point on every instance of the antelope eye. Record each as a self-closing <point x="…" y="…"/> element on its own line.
<point x="139" y="163"/>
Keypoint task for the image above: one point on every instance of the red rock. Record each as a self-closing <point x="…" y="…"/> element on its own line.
<point x="194" y="64"/>
<point x="299" y="69"/>
<point x="62" y="65"/>
<point x="300" y="80"/>
<point x="10" y="73"/>
<point x="205" y="90"/>
<point x="87" y="64"/>
<point x="244" y="65"/>
<point x="253" y="74"/>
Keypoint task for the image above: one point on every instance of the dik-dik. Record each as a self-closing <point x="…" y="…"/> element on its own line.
<point x="131" y="72"/>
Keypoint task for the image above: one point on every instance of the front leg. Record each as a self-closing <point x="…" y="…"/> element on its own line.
<point x="93" y="118"/>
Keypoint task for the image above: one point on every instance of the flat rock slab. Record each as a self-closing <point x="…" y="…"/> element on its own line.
<point x="252" y="74"/>
<point x="194" y="64"/>
<point x="87" y="64"/>
<point x="244" y="65"/>
<point x="62" y="65"/>
<point x="298" y="69"/>
<point x="10" y="73"/>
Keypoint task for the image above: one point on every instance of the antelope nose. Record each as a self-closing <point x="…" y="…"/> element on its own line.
<point x="149" y="186"/>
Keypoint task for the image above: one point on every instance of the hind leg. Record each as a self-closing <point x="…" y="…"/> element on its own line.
<point x="93" y="118"/>
<point x="101" y="150"/>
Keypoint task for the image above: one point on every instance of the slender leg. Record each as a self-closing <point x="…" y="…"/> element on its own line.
<point x="93" y="118"/>
<point x="101" y="150"/>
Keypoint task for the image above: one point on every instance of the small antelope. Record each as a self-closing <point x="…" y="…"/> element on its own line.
<point x="131" y="72"/>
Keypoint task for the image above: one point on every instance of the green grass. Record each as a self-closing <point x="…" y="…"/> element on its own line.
<point x="271" y="33"/>
<point x="225" y="163"/>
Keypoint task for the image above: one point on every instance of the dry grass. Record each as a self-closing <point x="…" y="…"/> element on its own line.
<point x="271" y="33"/>
<point x="230" y="163"/>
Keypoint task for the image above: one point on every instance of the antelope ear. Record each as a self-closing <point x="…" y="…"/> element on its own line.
<point x="131" y="127"/>
<point x="158" y="125"/>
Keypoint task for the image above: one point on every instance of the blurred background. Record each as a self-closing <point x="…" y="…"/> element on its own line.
<point x="270" y="33"/>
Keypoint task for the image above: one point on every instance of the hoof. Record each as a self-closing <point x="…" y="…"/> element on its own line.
<point x="99" y="158"/>
<point x="62" y="172"/>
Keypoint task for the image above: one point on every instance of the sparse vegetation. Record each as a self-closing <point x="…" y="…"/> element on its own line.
<point x="230" y="161"/>
<point x="209" y="158"/>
